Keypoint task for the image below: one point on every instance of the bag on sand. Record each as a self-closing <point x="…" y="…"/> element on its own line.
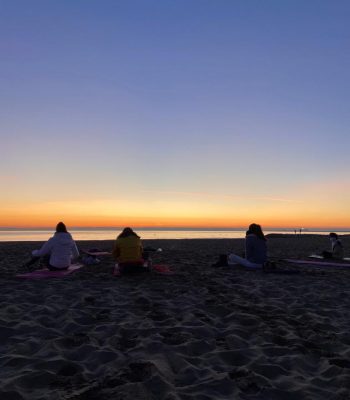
<point x="90" y="260"/>
<point x="222" y="261"/>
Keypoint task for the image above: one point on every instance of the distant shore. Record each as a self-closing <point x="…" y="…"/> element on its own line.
<point x="302" y="235"/>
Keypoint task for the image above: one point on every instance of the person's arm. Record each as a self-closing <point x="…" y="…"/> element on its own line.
<point x="249" y="246"/>
<point x="338" y="251"/>
<point x="44" y="250"/>
<point x="141" y="248"/>
<point x="75" y="251"/>
<point x="116" y="250"/>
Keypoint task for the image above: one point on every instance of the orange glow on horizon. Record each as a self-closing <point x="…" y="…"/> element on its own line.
<point x="154" y="222"/>
<point x="173" y="213"/>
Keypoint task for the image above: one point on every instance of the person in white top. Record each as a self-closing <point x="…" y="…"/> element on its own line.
<point x="337" y="248"/>
<point x="58" y="252"/>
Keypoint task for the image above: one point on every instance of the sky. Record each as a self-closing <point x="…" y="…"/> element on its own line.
<point x="175" y="113"/>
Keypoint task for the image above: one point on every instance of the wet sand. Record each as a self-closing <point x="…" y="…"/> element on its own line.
<point x="203" y="333"/>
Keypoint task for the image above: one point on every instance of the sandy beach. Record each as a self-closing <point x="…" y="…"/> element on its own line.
<point x="203" y="333"/>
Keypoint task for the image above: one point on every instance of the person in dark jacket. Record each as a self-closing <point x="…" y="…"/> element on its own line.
<point x="255" y="249"/>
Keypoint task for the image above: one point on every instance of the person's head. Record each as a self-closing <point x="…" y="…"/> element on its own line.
<point x="127" y="232"/>
<point x="61" y="227"/>
<point x="255" y="229"/>
<point x="333" y="236"/>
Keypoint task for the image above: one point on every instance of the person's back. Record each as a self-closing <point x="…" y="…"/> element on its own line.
<point x="128" y="249"/>
<point x="256" y="249"/>
<point x="60" y="248"/>
<point x="63" y="249"/>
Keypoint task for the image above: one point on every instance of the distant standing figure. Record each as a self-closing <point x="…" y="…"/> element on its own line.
<point x="337" y="248"/>
<point x="57" y="253"/>
<point x="128" y="252"/>
<point x="255" y="249"/>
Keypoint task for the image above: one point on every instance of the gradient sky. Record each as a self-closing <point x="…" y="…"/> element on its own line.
<point x="175" y="112"/>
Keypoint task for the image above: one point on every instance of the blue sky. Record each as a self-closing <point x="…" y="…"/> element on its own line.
<point x="176" y="104"/>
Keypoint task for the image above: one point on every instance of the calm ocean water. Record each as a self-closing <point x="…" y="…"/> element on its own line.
<point x="13" y="235"/>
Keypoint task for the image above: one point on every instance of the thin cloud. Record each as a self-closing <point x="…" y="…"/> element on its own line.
<point x="225" y="196"/>
<point x="328" y="187"/>
<point x="8" y="178"/>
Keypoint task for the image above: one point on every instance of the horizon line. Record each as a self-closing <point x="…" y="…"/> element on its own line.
<point x="176" y="228"/>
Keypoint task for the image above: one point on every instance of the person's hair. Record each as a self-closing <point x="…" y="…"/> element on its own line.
<point x="127" y="232"/>
<point x="256" y="230"/>
<point x="334" y="235"/>
<point x="61" y="227"/>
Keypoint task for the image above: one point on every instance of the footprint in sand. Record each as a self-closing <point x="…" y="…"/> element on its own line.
<point x="89" y="299"/>
<point x="74" y="340"/>
<point x="175" y="338"/>
<point x="340" y="362"/>
<point x="103" y="315"/>
<point x="139" y="371"/>
<point x="124" y="342"/>
<point x="69" y="369"/>
<point x="158" y="316"/>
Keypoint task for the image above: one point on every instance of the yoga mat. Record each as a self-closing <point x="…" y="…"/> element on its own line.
<point x="317" y="257"/>
<point x="96" y="253"/>
<point x="162" y="269"/>
<point x="159" y="269"/>
<point x="317" y="263"/>
<point x="45" y="273"/>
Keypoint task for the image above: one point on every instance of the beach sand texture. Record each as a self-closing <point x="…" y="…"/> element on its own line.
<point x="203" y="333"/>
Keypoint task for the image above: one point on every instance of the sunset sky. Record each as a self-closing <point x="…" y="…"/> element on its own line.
<point x="175" y="113"/>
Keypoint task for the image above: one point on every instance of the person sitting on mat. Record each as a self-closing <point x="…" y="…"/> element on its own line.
<point x="57" y="253"/>
<point x="128" y="253"/>
<point x="255" y="250"/>
<point x="337" y="248"/>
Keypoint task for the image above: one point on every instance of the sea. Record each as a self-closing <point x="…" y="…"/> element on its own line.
<point x="15" y="235"/>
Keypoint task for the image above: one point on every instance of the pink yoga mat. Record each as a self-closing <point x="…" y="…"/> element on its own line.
<point x="318" y="263"/>
<point x="317" y="257"/>
<point x="159" y="269"/>
<point x="45" y="273"/>
<point x="162" y="269"/>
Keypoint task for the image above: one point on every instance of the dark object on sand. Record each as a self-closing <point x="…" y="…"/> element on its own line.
<point x="222" y="261"/>
<point x="270" y="267"/>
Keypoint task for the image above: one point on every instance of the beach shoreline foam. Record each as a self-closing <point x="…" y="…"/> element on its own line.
<point x="202" y="333"/>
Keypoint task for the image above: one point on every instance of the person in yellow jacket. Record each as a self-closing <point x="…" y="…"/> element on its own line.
<point x="128" y="253"/>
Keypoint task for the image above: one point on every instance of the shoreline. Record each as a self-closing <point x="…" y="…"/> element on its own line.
<point x="268" y="236"/>
<point x="37" y="236"/>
